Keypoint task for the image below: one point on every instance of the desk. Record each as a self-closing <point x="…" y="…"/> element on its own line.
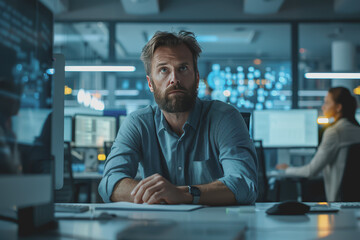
<point x="220" y="223"/>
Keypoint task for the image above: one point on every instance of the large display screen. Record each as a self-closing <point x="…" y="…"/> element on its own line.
<point x="291" y="128"/>
<point x="26" y="37"/>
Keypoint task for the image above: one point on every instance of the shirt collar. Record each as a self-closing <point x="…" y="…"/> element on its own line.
<point x="193" y="118"/>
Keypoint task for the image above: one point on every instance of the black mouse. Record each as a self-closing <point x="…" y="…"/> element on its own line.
<point x="288" y="208"/>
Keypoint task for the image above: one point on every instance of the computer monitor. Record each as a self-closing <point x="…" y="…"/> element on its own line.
<point x="286" y="128"/>
<point x="357" y="117"/>
<point x="67" y="128"/>
<point x="31" y="116"/>
<point x="121" y="120"/>
<point x="93" y="131"/>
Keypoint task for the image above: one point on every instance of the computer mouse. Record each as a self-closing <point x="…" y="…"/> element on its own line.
<point x="288" y="208"/>
<point x="105" y="216"/>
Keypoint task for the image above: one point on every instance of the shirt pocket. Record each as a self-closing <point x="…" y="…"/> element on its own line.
<point x="201" y="172"/>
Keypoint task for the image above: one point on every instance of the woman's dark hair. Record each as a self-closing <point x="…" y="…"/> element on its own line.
<point x="343" y="96"/>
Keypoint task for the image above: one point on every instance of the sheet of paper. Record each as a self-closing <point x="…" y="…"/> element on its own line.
<point x="145" y="207"/>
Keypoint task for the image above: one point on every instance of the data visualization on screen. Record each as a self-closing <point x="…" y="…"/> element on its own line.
<point x="93" y="131"/>
<point x="292" y="128"/>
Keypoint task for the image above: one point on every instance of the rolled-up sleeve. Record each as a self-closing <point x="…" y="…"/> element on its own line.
<point x="328" y="148"/>
<point x="237" y="157"/>
<point x="123" y="159"/>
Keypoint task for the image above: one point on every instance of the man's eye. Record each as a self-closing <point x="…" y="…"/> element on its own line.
<point x="183" y="68"/>
<point x="163" y="70"/>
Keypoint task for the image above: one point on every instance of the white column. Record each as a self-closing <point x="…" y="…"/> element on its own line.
<point x="111" y="87"/>
<point x="343" y="60"/>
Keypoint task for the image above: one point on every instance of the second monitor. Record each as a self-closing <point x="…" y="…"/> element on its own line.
<point x="291" y="128"/>
<point x="93" y="131"/>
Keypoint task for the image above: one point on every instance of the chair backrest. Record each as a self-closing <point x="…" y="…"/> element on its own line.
<point x="107" y="147"/>
<point x="263" y="184"/>
<point x="349" y="189"/>
<point x="246" y="117"/>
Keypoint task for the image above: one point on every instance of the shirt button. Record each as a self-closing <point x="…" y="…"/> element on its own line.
<point x="179" y="168"/>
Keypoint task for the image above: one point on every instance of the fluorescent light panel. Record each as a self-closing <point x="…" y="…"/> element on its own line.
<point x="100" y="69"/>
<point x="332" y="75"/>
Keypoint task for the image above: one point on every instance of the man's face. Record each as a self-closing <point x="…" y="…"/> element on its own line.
<point x="173" y="79"/>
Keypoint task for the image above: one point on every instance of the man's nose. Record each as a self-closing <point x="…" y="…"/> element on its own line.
<point x="174" y="78"/>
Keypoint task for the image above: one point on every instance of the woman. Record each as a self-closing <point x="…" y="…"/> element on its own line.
<point x="330" y="157"/>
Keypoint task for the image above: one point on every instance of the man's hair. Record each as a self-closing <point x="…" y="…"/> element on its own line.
<point x="169" y="39"/>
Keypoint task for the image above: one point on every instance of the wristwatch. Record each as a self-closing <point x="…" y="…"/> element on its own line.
<point x="195" y="192"/>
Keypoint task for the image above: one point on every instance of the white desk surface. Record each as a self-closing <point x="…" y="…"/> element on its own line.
<point x="206" y="223"/>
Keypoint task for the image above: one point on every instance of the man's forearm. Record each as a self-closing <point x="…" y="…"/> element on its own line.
<point x="123" y="189"/>
<point x="216" y="193"/>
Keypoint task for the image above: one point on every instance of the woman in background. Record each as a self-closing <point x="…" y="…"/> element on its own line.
<point x="330" y="157"/>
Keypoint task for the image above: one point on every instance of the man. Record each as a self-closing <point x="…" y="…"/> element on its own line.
<point x="187" y="150"/>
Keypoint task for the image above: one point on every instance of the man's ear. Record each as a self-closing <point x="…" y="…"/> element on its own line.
<point x="149" y="83"/>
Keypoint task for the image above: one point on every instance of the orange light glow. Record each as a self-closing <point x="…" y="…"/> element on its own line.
<point x="67" y="90"/>
<point x="257" y="61"/>
<point x="324" y="225"/>
<point x="101" y="157"/>
<point x="357" y="90"/>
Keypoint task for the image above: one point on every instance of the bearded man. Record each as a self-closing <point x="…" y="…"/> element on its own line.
<point x="188" y="151"/>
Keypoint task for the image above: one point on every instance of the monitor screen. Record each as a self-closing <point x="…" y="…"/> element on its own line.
<point x="292" y="128"/>
<point x="67" y="129"/>
<point x="93" y="131"/>
<point x="357" y="116"/>
<point x="26" y="103"/>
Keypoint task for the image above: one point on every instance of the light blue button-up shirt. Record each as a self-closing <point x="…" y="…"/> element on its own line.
<point x="215" y="145"/>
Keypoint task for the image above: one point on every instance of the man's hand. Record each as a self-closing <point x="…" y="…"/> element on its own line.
<point x="156" y="189"/>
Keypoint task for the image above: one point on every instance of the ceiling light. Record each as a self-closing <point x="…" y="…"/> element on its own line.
<point x="332" y="75"/>
<point x="100" y="69"/>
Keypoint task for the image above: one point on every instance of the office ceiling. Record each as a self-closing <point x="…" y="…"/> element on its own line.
<point x="235" y="29"/>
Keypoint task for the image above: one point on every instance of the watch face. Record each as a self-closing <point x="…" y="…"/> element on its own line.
<point x="194" y="191"/>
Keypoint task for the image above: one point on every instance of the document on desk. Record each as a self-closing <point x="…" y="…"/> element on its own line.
<point x="146" y="207"/>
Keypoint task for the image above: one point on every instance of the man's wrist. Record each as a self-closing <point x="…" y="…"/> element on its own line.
<point x="188" y="198"/>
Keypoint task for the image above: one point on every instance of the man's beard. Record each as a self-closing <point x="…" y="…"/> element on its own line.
<point x="178" y="102"/>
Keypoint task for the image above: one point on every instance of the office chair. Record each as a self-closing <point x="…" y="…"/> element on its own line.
<point x="246" y="117"/>
<point x="349" y="190"/>
<point x="263" y="184"/>
<point x="67" y="193"/>
<point x="107" y="147"/>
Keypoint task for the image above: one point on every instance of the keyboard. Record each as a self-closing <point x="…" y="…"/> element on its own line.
<point x="70" y="208"/>
<point x="346" y="204"/>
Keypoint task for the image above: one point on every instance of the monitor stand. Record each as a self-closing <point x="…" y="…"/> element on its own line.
<point x="36" y="219"/>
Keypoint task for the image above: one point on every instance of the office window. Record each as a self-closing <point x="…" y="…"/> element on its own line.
<point x="326" y="47"/>
<point x="246" y="65"/>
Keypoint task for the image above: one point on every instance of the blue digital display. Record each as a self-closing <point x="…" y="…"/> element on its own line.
<point x="249" y="87"/>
